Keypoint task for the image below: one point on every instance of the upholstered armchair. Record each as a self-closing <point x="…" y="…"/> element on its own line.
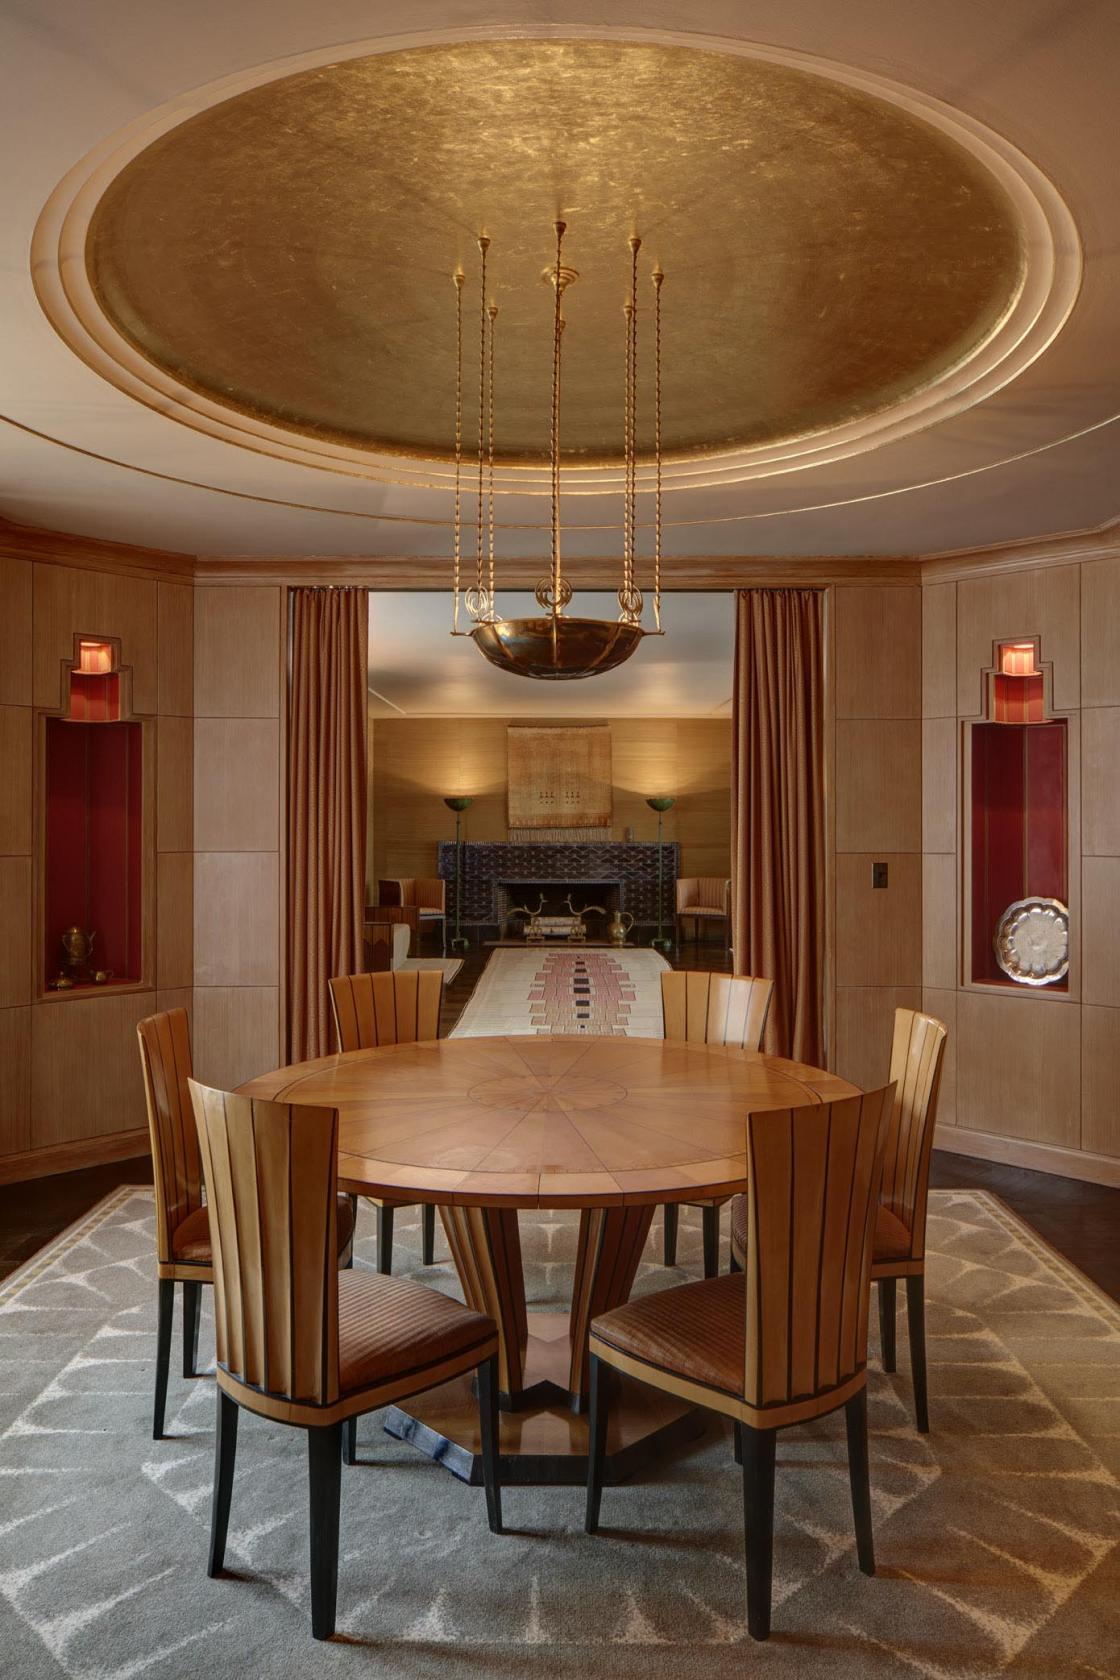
<point x="424" y="894"/>
<point x="706" y="898"/>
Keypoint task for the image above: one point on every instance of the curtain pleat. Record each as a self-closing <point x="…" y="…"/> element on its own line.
<point x="326" y="805"/>
<point x="777" y="811"/>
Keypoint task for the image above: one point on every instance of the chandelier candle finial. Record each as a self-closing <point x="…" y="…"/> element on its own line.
<point x="555" y="647"/>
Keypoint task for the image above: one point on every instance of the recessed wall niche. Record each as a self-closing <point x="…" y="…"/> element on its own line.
<point x="94" y="803"/>
<point x="1017" y="798"/>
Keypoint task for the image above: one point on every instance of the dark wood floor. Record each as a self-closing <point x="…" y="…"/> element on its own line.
<point x="1081" y="1221"/>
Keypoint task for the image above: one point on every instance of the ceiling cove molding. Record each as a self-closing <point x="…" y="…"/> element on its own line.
<point x="1048" y="291"/>
<point x="94" y="554"/>
<point x="1066" y="548"/>
<point x="717" y="572"/>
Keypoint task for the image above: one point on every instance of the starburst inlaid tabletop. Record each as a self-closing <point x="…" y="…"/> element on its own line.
<point x="549" y="1121"/>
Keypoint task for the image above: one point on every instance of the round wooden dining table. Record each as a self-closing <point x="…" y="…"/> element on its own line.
<point x="485" y="1127"/>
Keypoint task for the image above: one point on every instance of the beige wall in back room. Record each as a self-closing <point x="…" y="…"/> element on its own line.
<point x="417" y="761"/>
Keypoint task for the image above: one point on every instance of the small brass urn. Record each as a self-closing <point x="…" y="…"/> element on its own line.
<point x="618" y="927"/>
<point x="77" y="949"/>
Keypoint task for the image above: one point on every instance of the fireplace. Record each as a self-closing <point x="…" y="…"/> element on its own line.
<point x="628" y="871"/>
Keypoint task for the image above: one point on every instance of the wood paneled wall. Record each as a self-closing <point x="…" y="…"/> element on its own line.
<point x="238" y="831"/>
<point x="70" y="1086"/>
<point x="1029" y="1078"/>
<point x="416" y="761"/>
<point x="876" y="813"/>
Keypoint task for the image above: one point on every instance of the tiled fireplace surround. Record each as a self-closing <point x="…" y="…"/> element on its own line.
<point x="628" y="869"/>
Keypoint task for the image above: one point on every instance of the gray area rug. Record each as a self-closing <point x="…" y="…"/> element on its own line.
<point x="996" y="1535"/>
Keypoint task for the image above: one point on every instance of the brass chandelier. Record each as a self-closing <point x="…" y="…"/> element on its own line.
<point x="552" y="646"/>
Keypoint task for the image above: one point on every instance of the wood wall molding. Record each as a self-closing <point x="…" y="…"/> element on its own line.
<point x="433" y="572"/>
<point x="1022" y="1152"/>
<point x="67" y="1157"/>
<point x="1067" y="548"/>
<point x="66" y="548"/>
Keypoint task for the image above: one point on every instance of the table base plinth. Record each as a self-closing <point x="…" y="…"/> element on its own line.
<point x="545" y="1444"/>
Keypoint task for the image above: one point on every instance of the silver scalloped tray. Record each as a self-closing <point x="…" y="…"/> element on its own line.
<point x="1032" y="941"/>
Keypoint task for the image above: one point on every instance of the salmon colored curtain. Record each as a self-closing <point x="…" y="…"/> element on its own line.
<point x="777" y="811"/>
<point x="326" y="805"/>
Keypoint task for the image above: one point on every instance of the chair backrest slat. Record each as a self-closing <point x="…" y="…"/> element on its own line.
<point x="398" y="1007"/>
<point x="272" y="1177"/>
<point x="704" y="1008"/>
<point x="917" y="1055"/>
<point x="165" y="1058"/>
<point x="814" y="1176"/>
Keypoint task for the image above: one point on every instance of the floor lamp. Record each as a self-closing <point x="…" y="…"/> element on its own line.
<point x="458" y="802"/>
<point x="661" y="802"/>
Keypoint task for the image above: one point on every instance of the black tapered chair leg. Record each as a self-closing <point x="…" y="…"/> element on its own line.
<point x="350" y="1441"/>
<point x="859" y="1474"/>
<point x="165" y="1308"/>
<point x="758" y="1525"/>
<point x="887" y="1310"/>
<point x="711" y="1241"/>
<point x="324" y="1464"/>
<point x="488" y="1425"/>
<point x="737" y="1436"/>
<point x="385" y="1239"/>
<point x="225" y="1452"/>
<point x="192" y="1312"/>
<point x="916" y="1320"/>
<point x="428" y="1229"/>
<point x="596" y="1441"/>
<point x="672" y="1219"/>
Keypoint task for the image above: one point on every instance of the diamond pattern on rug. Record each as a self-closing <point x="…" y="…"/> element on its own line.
<point x="996" y="1536"/>
<point x="585" y="992"/>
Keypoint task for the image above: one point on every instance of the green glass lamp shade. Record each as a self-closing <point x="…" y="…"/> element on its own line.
<point x="661" y="802"/>
<point x="458" y="801"/>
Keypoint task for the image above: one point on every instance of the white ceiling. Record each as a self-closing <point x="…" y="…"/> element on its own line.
<point x="1034" y="457"/>
<point x="417" y="669"/>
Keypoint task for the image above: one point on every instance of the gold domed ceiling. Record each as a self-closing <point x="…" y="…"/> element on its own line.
<point x="288" y="252"/>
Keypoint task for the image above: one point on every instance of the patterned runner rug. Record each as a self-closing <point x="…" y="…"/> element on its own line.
<point x="997" y="1536"/>
<point x="544" y="990"/>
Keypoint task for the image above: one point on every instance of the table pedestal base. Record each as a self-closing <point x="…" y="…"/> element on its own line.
<point x="544" y="1442"/>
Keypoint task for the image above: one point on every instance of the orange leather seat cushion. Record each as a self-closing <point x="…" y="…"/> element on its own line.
<point x="698" y="1330"/>
<point x="190" y="1243"/>
<point x="892" y="1239"/>
<point x="390" y="1326"/>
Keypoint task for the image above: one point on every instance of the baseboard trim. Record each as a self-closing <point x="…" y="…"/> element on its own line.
<point x="1039" y="1157"/>
<point x="66" y="1157"/>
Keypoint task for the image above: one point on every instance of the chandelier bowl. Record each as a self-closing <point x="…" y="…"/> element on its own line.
<point x="555" y="648"/>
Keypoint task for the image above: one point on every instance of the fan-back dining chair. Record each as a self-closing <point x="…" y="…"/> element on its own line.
<point x="399" y="1007"/>
<point x="783" y="1341"/>
<point x="706" y="898"/>
<point x="704" y="1008"/>
<point x="183" y="1251"/>
<point x="300" y="1342"/>
<point x="917" y="1053"/>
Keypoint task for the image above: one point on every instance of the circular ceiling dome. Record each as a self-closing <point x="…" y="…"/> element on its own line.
<point x="286" y="253"/>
